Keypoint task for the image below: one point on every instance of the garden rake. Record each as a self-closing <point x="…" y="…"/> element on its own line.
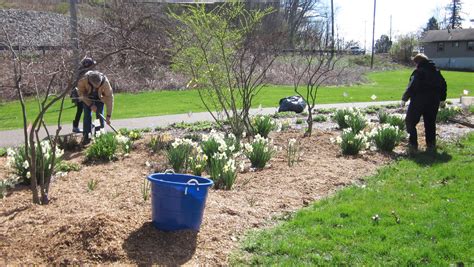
<point x="110" y="125"/>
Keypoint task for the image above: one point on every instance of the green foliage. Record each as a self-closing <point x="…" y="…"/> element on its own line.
<point x="263" y="125"/>
<point x="103" y="148"/>
<point x="65" y="166"/>
<point x="132" y="134"/>
<point x="222" y="171"/>
<point x="259" y="152"/>
<point x="146" y="189"/>
<point x="92" y="184"/>
<point x="285" y="125"/>
<point x="292" y="152"/>
<point x="299" y="121"/>
<point x="16" y="159"/>
<point x="363" y="60"/>
<point x="383" y="116"/>
<point x="352" y="143"/>
<point x="397" y="120"/>
<point x="194" y="137"/>
<point x="471" y="109"/>
<point x="319" y="118"/>
<point x="126" y="143"/>
<point x="350" y="118"/>
<point x="160" y="141"/>
<point x="402" y="49"/>
<point x="372" y="109"/>
<point x="178" y="154"/>
<point x="3" y="152"/>
<point x="422" y="219"/>
<point x="340" y="117"/>
<point x="210" y="147"/>
<point x="207" y="48"/>
<point x="194" y="127"/>
<point x="445" y="114"/>
<point x="326" y="110"/>
<point x="285" y="114"/>
<point x="356" y="121"/>
<point x="197" y="163"/>
<point x="386" y="137"/>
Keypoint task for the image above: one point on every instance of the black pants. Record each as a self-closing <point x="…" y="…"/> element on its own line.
<point x="75" y="122"/>
<point x="427" y="109"/>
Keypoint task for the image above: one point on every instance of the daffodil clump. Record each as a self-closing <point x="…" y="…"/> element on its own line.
<point x="292" y="152"/>
<point x="351" y="143"/>
<point x="179" y="153"/>
<point x="102" y="148"/>
<point x="222" y="171"/>
<point x="221" y="152"/>
<point x="263" y="125"/>
<point x="445" y="114"/>
<point x="397" y="120"/>
<point x="350" y="118"/>
<point x="259" y="152"/>
<point x="386" y="137"/>
<point x="16" y="160"/>
<point x="125" y="143"/>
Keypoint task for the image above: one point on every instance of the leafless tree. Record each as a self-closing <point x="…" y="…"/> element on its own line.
<point x="297" y="13"/>
<point x="54" y="74"/>
<point x="226" y="59"/>
<point x="311" y="67"/>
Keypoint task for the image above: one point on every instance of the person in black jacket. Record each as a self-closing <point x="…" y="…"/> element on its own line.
<point x="87" y="64"/>
<point x="427" y="92"/>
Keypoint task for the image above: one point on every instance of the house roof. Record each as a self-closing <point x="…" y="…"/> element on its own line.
<point x="33" y="28"/>
<point x="451" y="35"/>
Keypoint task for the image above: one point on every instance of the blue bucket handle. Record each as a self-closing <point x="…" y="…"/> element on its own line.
<point x="169" y="171"/>
<point x="190" y="182"/>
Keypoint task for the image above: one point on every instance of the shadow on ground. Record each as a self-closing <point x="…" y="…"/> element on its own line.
<point x="429" y="158"/>
<point x="149" y="246"/>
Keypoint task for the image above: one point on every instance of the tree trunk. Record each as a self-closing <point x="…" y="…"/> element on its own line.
<point x="309" y="131"/>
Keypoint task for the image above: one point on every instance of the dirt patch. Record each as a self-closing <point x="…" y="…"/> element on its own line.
<point x="112" y="224"/>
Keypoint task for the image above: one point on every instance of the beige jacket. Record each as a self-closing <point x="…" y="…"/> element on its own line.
<point x="105" y="93"/>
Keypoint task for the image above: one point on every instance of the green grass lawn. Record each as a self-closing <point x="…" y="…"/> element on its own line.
<point x="430" y="195"/>
<point x="387" y="85"/>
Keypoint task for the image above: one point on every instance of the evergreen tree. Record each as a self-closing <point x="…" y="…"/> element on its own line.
<point x="383" y="44"/>
<point x="454" y="12"/>
<point x="431" y="25"/>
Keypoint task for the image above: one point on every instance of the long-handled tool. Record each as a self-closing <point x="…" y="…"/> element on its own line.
<point x="110" y="125"/>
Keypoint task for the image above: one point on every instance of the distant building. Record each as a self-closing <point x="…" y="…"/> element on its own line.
<point x="453" y="49"/>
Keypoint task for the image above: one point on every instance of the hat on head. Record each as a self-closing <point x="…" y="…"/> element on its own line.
<point x="419" y="57"/>
<point x="87" y="62"/>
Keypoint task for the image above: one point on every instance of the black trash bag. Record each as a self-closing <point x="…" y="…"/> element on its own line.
<point x="292" y="103"/>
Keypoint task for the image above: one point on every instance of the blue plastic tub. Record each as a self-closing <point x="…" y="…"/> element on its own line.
<point x="178" y="200"/>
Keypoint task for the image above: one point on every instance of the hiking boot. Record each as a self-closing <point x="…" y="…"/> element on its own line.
<point x="85" y="141"/>
<point x="76" y="130"/>
<point x="431" y="149"/>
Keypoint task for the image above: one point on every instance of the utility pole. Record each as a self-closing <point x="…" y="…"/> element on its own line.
<point x="373" y="37"/>
<point x="390" y="28"/>
<point x="74" y="35"/>
<point x="365" y="35"/>
<point x="332" y="26"/>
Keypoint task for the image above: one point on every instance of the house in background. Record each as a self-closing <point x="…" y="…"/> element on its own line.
<point x="453" y="49"/>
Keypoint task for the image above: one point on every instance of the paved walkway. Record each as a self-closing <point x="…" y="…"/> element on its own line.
<point x="15" y="137"/>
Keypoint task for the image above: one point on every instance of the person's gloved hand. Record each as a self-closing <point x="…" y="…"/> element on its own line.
<point x="402" y="104"/>
<point x="442" y="104"/>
